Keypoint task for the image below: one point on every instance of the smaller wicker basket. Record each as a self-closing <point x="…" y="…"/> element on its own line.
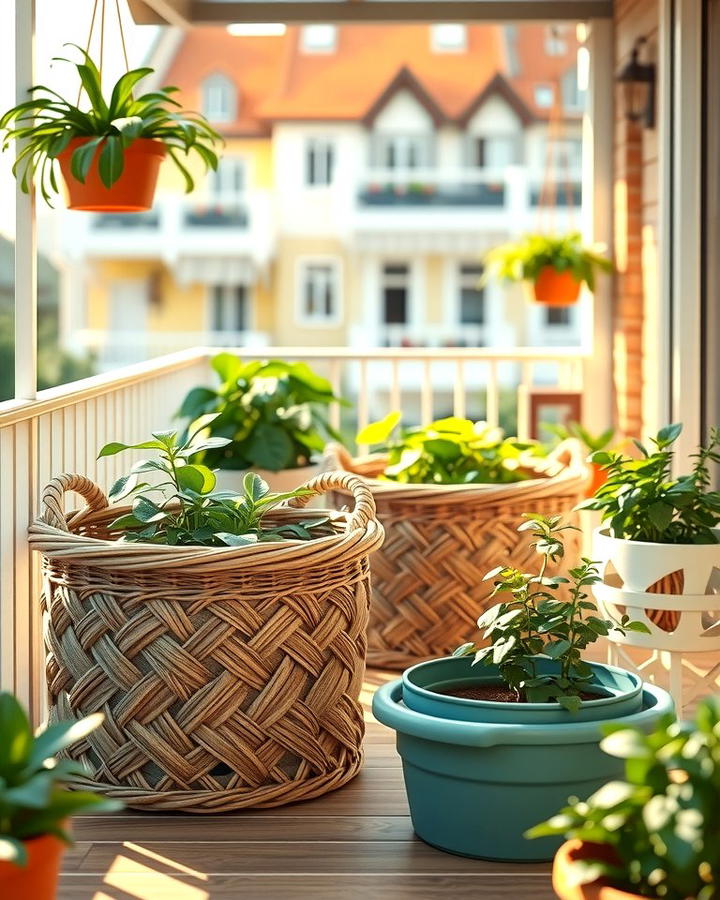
<point x="229" y="676"/>
<point x="428" y="588"/>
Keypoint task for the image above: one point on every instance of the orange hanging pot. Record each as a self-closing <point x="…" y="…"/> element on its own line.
<point x="132" y="192"/>
<point x="554" y="288"/>
<point x="562" y="874"/>
<point x="38" y="879"/>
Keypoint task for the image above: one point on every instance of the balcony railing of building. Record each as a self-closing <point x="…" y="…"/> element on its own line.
<point x="63" y="429"/>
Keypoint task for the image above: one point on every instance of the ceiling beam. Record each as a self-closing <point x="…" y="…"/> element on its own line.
<point x="223" y="12"/>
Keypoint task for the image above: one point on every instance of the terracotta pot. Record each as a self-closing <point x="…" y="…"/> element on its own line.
<point x="597" y="479"/>
<point x="132" y="192"/>
<point x="553" y="288"/>
<point x="596" y="890"/>
<point x="38" y="879"/>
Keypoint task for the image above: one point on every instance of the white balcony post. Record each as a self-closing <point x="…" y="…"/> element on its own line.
<point x="25" y="227"/>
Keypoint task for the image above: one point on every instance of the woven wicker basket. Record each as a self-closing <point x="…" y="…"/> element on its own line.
<point x="229" y="676"/>
<point x="441" y="540"/>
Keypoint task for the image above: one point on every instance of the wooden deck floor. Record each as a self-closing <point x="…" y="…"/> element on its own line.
<point x="354" y="844"/>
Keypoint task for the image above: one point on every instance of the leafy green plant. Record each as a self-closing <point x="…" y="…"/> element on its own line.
<point x="183" y="508"/>
<point x="47" y="123"/>
<point x="450" y="451"/>
<point x="34" y="800"/>
<point x="643" y="502"/>
<point x="662" y="823"/>
<point x="272" y="413"/>
<point x="522" y="260"/>
<point x="536" y="624"/>
<point x="592" y="442"/>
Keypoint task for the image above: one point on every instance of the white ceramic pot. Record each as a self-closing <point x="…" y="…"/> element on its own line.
<point x="284" y="480"/>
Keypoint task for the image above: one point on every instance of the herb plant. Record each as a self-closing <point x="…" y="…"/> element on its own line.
<point x="592" y="442"/>
<point x="662" y="823"/>
<point x="47" y="123"/>
<point x="273" y="414"/>
<point x="641" y="500"/>
<point x="536" y="624"/>
<point x="450" y="451"/>
<point x="523" y="260"/>
<point x="33" y="796"/>
<point x="182" y="507"/>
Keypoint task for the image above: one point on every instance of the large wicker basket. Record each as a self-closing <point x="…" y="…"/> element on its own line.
<point x="441" y="540"/>
<point x="229" y="677"/>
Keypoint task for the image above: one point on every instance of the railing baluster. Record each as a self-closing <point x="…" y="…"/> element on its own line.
<point x="395" y="390"/>
<point x="459" y="390"/>
<point x="426" y="394"/>
<point x="523" y="401"/>
<point x="8" y="488"/>
<point x="336" y="382"/>
<point x="492" y="400"/>
<point x="363" y="402"/>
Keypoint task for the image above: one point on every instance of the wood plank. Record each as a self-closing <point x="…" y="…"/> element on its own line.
<point x="148" y="886"/>
<point x="240" y="827"/>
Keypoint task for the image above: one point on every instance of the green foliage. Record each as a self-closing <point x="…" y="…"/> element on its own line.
<point x="643" y="502"/>
<point x="47" y="123"/>
<point x="34" y="800"/>
<point x="522" y="260"/>
<point x="182" y="506"/>
<point x="592" y="442"/>
<point x="662" y="823"/>
<point x="534" y="623"/>
<point x="450" y="451"/>
<point x="271" y="413"/>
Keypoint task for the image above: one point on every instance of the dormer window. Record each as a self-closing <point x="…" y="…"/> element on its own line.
<point x="544" y="95"/>
<point x="572" y="97"/>
<point x="219" y="99"/>
<point x="319" y="39"/>
<point x="448" y="37"/>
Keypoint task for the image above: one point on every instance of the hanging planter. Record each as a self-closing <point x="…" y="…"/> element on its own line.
<point x="554" y="268"/>
<point x="109" y="154"/>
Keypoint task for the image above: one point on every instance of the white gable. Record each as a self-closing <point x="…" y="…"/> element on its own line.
<point x="495" y="116"/>
<point x="404" y="114"/>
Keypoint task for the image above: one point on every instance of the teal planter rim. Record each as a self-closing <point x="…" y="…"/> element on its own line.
<point x="389" y="709"/>
<point x="507" y="707"/>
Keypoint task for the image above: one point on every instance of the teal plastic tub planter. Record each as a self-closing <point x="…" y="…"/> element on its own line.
<point x="476" y="785"/>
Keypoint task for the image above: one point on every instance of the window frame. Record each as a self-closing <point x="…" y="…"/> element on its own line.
<point x="219" y="80"/>
<point x="438" y="46"/>
<point x="302" y="265"/>
<point x="313" y="49"/>
<point x="322" y="149"/>
<point x="210" y="307"/>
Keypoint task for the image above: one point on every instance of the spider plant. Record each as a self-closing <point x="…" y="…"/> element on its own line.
<point x="45" y="125"/>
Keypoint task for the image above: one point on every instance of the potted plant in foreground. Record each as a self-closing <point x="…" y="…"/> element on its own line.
<point x="660" y="533"/>
<point x="496" y="737"/>
<point x="35" y="805"/>
<point x="554" y="266"/>
<point x="272" y="415"/>
<point x="222" y="633"/>
<point x="450" y="493"/>
<point x="109" y="154"/>
<point x="655" y="833"/>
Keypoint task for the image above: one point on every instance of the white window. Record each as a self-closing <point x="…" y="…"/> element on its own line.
<point x="229" y="307"/>
<point x="319" y="161"/>
<point x="228" y="181"/>
<point x="555" y="43"/>
<point x="318" y="38"/>
<point x="395" y="294"/>
<point x="544" y="95"/>
<point x="448" y="38"/>
<point x="403" y="151"/>
<point x="219" y="99"/>
<point x="572" y="97"/>
<point x="558" y="316"/>
<point x="496" y="152"/>
<point x="472" y="295"/>
<point x="319" y="293"/>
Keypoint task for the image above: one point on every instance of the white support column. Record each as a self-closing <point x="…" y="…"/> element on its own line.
<point x="597" y="181"/>
<point x="25" y="228"/>
<point x="686" y="240"/>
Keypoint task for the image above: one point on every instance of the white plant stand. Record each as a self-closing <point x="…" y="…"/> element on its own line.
<point x="686" y="659"/>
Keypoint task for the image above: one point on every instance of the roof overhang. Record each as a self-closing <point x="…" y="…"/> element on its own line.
<point x="223" y="12"/>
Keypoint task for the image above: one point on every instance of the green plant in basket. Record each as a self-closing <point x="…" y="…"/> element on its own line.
<point x="450" y="451"/>
<point x="524" y="259"/>
<point x="534" y="623"/>
<point x="273" y="414"/>
<point x="592" y="442"/>
<point x="34" y="799"/>
<point x="655" y="834"/>
<point x="181" y="505"/>
<point x="642" y="501"/>
<point x="48" y="122"/>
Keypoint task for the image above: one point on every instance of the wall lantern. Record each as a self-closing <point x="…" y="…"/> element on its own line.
<point x="638" y="81"/>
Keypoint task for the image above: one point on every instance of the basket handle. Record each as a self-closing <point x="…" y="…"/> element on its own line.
<point x="364" y="508"/>
<point x="52" y="497"/>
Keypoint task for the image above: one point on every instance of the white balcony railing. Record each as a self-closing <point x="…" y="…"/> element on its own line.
<point x="62" y="430"/>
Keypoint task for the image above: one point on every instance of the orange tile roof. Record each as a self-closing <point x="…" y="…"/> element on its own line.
<point x="276" y="80"/>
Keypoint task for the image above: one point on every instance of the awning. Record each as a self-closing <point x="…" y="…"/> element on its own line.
<point x="229" y="271"/>
<point x="224" y="12"/>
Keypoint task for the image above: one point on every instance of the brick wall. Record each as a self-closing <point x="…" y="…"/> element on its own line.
<point x="635" y="210"/>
